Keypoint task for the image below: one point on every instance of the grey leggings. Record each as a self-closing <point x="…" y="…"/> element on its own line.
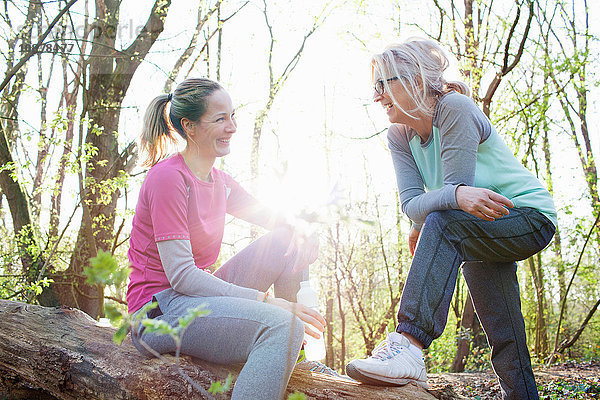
<point x="266" y="338"/>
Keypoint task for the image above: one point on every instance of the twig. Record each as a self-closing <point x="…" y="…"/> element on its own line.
<point x="35" y="48"/>
<point x="179" y="370"/>
<point x="120" y="301"/>
<point x="564" y="302"/>
<point x="370" y="136"/>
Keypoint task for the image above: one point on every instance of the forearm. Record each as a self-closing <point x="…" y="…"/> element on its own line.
<point x="416" y="203"/>
<point x="418" y="207"/>
<point x="186" y="278"/>
<point x="263" y="216"/>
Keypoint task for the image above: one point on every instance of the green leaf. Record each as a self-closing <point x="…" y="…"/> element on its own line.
<point x="121" y="333"/>
<point x="297" y="396"/>
<point x="159" y="327"/>
<point x="220" y="388"/>
<point x="192" y="314"/>
<point x="144" y="310"/>
<point x="113" y="313"/>
<point x="104" y="270"/>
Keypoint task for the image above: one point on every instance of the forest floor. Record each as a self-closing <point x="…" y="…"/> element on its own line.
<point x="557" y="382"/>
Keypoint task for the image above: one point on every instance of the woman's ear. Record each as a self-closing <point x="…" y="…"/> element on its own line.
<point x="187" y="125"/>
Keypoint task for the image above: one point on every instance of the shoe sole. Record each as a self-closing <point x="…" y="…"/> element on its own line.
<point x="357" y="375"/>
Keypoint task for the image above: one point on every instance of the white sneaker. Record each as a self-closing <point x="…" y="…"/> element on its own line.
<point x="391" y="362"/>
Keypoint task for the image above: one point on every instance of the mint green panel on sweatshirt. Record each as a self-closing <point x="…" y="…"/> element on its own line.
<point x="429" y="160"/>
<point x="496" y="169"/>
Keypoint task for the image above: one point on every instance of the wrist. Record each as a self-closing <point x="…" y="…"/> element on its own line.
<point x="457" y="192"/>
<point x="282" y="221"/>
<point x="263" y="297"/>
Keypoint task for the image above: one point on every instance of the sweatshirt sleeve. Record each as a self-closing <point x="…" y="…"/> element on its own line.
<point x="186" y="278"/>
<point x="462" y="127"/>
<point x="408" y="178"/>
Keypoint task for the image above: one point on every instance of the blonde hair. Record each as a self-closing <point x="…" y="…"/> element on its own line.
<point x="419" y="66"/>
<point x="189" y="100"/>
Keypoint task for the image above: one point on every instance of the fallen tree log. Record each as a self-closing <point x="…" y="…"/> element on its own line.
<point x="61" y="353"/>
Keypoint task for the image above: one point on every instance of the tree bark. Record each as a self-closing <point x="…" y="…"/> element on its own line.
<point x="191" y="47"/>
<point x="329" y="353"/>
<point x="463" y="345"/>
<point x="540" y="348"/>
<point x="15" y="194"/>
<point x="69" y="98"/>
<point x="54" y="353"/>
<point x="110" y="74"/>
<point x="557" y="244"/>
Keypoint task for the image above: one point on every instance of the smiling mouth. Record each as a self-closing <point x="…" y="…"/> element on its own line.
<point x="224" y="141"/>
<point x="388" y="106"/>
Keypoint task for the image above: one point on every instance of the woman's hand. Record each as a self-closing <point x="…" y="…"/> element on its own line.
<point x="413" y="238"/>
<point x="306" y="248"/>
<point x="482" y="203"/>
<point x="307" y="315"/>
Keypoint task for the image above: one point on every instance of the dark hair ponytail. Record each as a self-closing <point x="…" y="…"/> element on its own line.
<point x="189" y="100"/>
<point x="155" y="131"/>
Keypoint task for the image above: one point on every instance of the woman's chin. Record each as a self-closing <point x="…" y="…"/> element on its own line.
<point x="222" y="152"/>
<point x="392" y="117"/>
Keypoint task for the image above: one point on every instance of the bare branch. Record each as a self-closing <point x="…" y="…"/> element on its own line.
<point x="562" y="306"/>
<point x="36" y="47"/>
<point x="210" y="36"/>
<point x="506" y="68"/>
<point x="201" y="20"/>
<point x="570" y="342"/>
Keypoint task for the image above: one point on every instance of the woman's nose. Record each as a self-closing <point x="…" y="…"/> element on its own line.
<point x="232" y="126"/>
<point x="376" y="96"/>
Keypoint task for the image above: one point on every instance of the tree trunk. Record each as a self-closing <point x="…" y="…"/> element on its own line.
<point x="541" y="331"/>
<point x="16" y="196"/>
<point x="463" y="346"/>
<point x="275" y="84"/>
<point x="338" y="296"/>
<point x="110" y="75"/>
<point x="342" y="315"/>
<point x="557" y="245"/>
<point x="330" y="353"/>
<point x="53" y="353"/>
<point x="19" y="211"/>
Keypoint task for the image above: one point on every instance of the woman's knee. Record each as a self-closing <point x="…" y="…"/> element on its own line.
<point x="437" y="219"/>
<point x="298" y="331"/>
<point x="447" y="220"/>
<point x="292" y="330"/>
<point x="272" y="245"/>
<point x="280" y="237"/>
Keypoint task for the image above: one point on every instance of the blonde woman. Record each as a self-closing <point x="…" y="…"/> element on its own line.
<point x="176" y="235"/>
<point x="471" y="203"/>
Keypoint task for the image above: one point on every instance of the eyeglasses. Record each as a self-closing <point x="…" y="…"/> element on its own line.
<point x="379" y="88"/>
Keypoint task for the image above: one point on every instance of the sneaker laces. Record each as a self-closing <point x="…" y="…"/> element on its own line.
<point x="322" y="368"/>
<point x="386" y="349"/>
<point x="317" y="366"/>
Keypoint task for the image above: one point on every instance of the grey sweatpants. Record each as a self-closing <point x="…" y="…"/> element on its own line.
<point x="266" y="338"/>
<point x="487" y="251"/>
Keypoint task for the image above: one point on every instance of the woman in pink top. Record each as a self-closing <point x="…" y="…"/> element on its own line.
<point x="176" y="235"/>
